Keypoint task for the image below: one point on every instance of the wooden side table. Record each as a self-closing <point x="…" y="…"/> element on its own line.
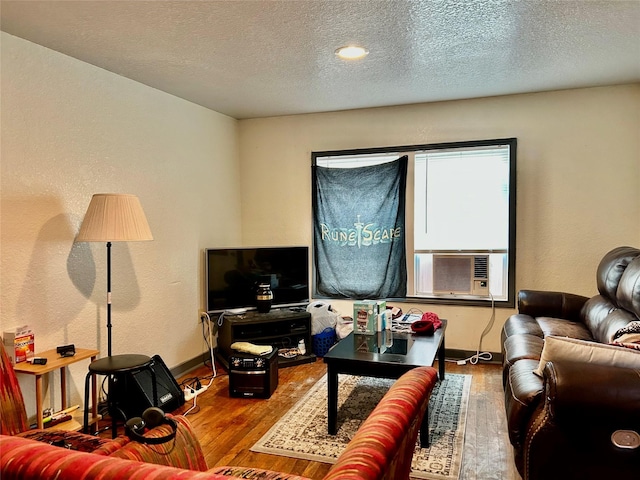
<point x="56" y="362"/>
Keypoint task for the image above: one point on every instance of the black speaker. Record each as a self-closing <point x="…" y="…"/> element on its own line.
<point x="253" y="376"/>
<point x="133" y="391"/>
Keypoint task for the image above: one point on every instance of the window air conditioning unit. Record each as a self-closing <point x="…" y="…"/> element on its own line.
<point x="461" y="274"/>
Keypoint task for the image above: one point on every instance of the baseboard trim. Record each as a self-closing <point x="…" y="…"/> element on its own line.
<point x="186" y="367"/>
<point x="452" y="354"/>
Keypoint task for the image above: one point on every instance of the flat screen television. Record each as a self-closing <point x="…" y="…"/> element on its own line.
<point x="233" y="274"/>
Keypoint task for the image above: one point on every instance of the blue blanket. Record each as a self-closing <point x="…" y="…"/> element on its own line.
<point x="359" y="231"/>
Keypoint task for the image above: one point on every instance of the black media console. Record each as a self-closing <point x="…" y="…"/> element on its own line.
<point x="280" y="328"/>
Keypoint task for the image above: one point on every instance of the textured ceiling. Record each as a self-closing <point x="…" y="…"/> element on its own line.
<point x="262" y="58"/>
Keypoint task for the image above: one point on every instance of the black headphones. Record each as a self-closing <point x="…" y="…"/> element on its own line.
<point x="151" y="417"/>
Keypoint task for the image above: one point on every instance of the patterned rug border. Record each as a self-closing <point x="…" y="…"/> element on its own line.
<point x="454" y="437"/>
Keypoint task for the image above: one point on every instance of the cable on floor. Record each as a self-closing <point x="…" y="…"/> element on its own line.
<point x="474" y="359"/>
<point x="195" y="383"/>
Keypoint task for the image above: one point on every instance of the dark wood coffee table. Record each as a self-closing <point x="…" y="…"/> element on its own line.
<point x="382" y="355"/>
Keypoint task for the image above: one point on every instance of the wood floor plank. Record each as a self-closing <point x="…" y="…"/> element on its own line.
<point x="228" y="427"/>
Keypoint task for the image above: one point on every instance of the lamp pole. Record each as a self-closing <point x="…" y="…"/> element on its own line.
<point x="109" y="297"/>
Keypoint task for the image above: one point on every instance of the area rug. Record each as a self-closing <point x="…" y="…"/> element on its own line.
<point x="302" y="431"/>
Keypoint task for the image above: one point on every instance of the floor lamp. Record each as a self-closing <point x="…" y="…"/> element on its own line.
<point x="113" y="217"/>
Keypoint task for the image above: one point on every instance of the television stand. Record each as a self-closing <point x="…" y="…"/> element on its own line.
<point x="280" y="328"/>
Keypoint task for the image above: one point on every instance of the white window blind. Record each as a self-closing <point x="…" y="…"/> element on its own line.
<point x="462" y="199"/>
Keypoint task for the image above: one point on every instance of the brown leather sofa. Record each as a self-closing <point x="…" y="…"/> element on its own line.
<point x="576" y="414"/>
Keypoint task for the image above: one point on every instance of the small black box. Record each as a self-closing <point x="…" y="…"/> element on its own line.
<point x="66" y="350"/>
<point x="253" y="375"/>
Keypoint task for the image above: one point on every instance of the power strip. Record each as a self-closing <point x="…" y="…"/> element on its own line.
<point x="189" y="393"/>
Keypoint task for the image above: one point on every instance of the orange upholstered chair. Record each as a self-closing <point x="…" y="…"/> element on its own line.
<point x="382" y="448"/>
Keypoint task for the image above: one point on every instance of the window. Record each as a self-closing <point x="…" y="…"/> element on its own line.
<point x="460" y="217"/>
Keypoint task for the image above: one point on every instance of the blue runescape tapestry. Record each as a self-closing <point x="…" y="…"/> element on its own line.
<point x="359" y="231"/>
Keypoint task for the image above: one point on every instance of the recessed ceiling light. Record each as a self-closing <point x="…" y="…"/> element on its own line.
<point x="351" y="52"/>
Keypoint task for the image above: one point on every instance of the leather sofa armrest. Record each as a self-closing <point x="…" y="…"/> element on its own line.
<point x="542" y="303"/>
<point x="574" y="433"/>
<point x="584" y="392"/>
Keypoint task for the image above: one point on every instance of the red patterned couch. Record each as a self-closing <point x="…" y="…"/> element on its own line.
<point x="381" y="449"/>
<point x="185" y="452"/>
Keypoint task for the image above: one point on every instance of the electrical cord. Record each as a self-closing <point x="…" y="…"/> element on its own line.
<point x="207" y="334"/>
<point x="193" y="407"/>
<point x="474" y="359"/>
<point x="194" y="384"/>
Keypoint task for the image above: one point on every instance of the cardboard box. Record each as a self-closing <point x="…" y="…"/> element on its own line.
<point x="369" y="316"/>
<point x="19" y="344"/>
<point x="365" y="317"/>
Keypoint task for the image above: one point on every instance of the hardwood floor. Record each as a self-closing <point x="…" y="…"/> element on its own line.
<point x="228" y="427"/>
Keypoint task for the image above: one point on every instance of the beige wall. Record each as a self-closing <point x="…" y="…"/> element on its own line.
<point x="578" y="179"/>
<point x="70" y="130"/>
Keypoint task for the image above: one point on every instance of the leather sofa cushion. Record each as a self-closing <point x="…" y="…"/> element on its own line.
<point x="611" y="268"/>
<point x="520" y="324"/>
<point x="563" y="328"/>
<point x="570" y="349"/>
<point x="616" y="320"/>
<point x="594" y="312"/>
<point x="628" y="293"/>
<point x="604" y="319"/>
<point x="518" y="347"/>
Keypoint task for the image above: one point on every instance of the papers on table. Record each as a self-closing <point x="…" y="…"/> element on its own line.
<point x="403" y="323"/>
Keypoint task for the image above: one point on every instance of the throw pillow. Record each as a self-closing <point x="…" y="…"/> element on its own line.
<point x="631" y="327"/>
<point x="566" y="348"/>
<point x="629" y="336"/>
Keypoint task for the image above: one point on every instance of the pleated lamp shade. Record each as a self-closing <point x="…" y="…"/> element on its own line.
<point x="114" y="217"/>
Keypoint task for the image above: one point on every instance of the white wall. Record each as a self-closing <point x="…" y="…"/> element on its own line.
<point x="70" y="130"/>
<point x="578" y="180"/>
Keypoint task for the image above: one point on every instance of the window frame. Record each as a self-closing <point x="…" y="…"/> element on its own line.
<point x="410" y="150"/>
